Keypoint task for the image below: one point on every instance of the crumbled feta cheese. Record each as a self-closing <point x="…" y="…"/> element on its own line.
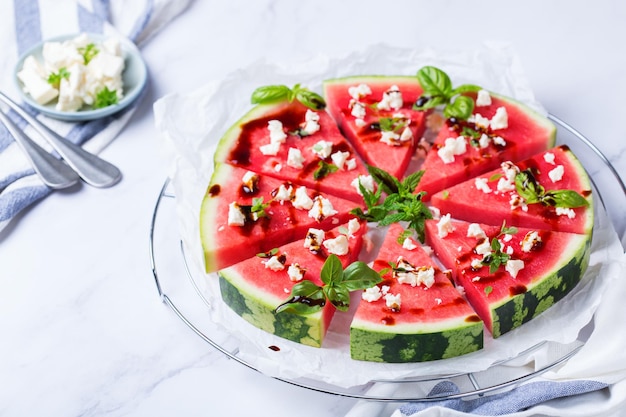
<point x="271" y="149"/>
<point x="284" y="193"/>
<point x="480" y="120"/>
<point x="358" y="110"/>
<point x="438" y="301"/>
<point x="513" y="266"/>
<point x="322" y="208"/>
<point x="507" y="237"/>
<point x="484" y="141"/>
<point x="562" y="211"/>
<point x="366" y="181"/>
<point x="339" y="158"/>
<point x="313" y="240"/>
<point x="311" y="122"/>
<point x="505" y="185"/>
<point x="278" y="167"/>
<point x="517" y="202"/>
<point x="530" y="241"/>
<point x="500" y="120"/>
<point x="444" y="226"/>
<point x="476" y="279"/>
<point x="476" y="264"/>
<point x="556" y="174"/>
<point x="359" y="91"/>
<point x="510" y="170"/>
<point x="429" y="251"/>
<point x="390" y="137"/>
<point x="508" y="250"/>
<point x="302" y="200"/>
<point x="353" y="226"/>
<point x="451" y="148"/>
<point x="274" y="263"/>
<point x="474" y="230"/>
<point x="549" y="157"/>
<point x="426" y="276"/>
<point x="296" y="272"/>
<point x="351" y="164"/>
<point x="483" y="248"/>
<point x="236" y="217"/>
<point x="277" y="133"/>
<point x="33" y="78"/>
<point x="322" y="149"/>
<point x="385" y="289"/>
<point x="481" y="184"/>
<point x="483" y="98"/>
<point x="408" y="244"/>
<point x="337" y="246"/>
<point x="435" y="212"/>
<point x="499" y="141"/>
<point x="460" y="290"/>
<point x="359" y="122"/>
<point x="372" y="294"/>
<point x="392" y="99"/>
<point x="393" y="301"/>
<point x="250" y="180"/>
<point x="295" y="158"/>
<point x="406" y="135"/>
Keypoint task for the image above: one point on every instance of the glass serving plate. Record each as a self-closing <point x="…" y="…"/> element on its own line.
<point x="179" y="289"/>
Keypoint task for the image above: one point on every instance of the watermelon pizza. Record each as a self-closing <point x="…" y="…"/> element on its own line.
<point x="484" y="228"/>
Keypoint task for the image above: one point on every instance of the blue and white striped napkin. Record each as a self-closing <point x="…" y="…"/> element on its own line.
<point x="23" y="23"/>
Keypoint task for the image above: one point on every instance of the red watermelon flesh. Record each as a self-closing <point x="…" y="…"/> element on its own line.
<point x="527" y="134"/>
<point x="255" y="291"/>
<point x="241" y="146"/>
<point x="226" y="244"/>
<point x="465" y="201"/>
<point x="544" y="254"/>
<point x="366" y="135"/>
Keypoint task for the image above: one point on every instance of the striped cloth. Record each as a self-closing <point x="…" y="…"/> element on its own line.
<point x="24" y="23"/>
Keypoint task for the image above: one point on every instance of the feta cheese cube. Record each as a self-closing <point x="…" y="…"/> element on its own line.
<point x="481" y="184"/>
<point x="339" y="158"/>
<point x="338" y="246"/>
<point x="358" y="110"/>
<point x="500" y="120"/>
<point x="295" y="272"/>
<point x="484" y="141"/>
<point x="474" y="230"/>
<point x="513" y="266"/>
<point x="284" y="193"/>
<point x="274" y="263"/>
<point x="359" y="91"/>
<point x="311" y="124"/>
<point x="302" y="201"/>
<point x="321" y="208"/>
<point x="483" y="98"/>
<point x="236" y="217"/>
<point x="390" y="137"/>
<point x="549" y="157"/>
<point x="444" y="226"/>
<point x="530" y="241"/>
<point x="313" y="240"/>
<point x="408" y="244"/>
<point x="322" y="149"/>
<point x="480" y="120"/>
<point x="295" y="158"/>
<point x="277" y="132"/>
<point x="36" y="86"/>
<point x="271" y="149"/>
<point x="483" y="248"/>
<point x="351" y="164"/>
<point x="353" y="226"/>
<point x="392" y="99"/>
<point x="556" y="174"/>
<point x="372" y="294"/>
<point x="562" y="211"/>
<point x="451" y="148"/>
<point x="366" y="181"/>
<point x="393" y="301"/>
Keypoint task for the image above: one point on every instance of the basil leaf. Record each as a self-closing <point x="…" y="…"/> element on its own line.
<point x="270" y="94"/>
<point x="332" y="270"/>
<point x="359" y="276"/>
<point x="460" y="108"/>
<point x="565" y="198"/>
<point x="310" y="99"/>
<point x="339" y="296"/>
<point x="466" y="88"/>
<point x="434" y="82"/>
<point x="306" y="298"/>
<point x="324" y="169"/>
<point x="430" y="102"/>
<point x="527" y="187"/>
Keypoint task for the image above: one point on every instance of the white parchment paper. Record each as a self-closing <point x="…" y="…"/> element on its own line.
<point x="192" y="124"/>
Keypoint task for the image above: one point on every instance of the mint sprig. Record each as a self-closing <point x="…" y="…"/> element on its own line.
<point x="497" y="257"/>
<point x="438" y="91"/>
<point x="274" y="93"/>
<point x="324" y="169"/>
<point x="400" y="204"/>
<point x="307" y="297"/>
<point x="533" y="192"/>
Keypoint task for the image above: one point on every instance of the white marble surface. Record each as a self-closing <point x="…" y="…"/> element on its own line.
<point x="83" y="331"/>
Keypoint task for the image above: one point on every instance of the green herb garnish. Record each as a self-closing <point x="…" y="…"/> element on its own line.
<point x="88" y="52"/>
<point x="104" y="98"/>
<point x="324" y="169"/>
<point x="438" y="91"/>
<point x="54" y="79"/>
<point x="392" y="124"/>
<point x="268" y="254"/>
<point x="532" y="192"/>
<point x="400" y="204"/>
<point x="275" y="93"/>
<point x="488" y="290"/>
<point x="307" y="297"/>
<point x="258" y="207"/>
<point x="497" y="257"/>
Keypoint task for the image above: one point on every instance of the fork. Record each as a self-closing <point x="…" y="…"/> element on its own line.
<point x="52" y="171"/>
<point x="92" y="169"/>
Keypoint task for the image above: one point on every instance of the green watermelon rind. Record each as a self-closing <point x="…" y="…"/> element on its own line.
<point x="453" y="338"/>
<point x="545" y="291"/>
<point x="258" y="309"/>
<point x="369" y="79"/>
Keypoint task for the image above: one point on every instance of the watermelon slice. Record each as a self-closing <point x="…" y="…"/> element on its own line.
<point x="384" y="132"/>
<point x="322" y="160"/>
<point x="449" y="162"/>
<point x="542" y="267"/>
<point x="433" y="320"/>
<point x="228" y="230"/>
<point x="253" y="289"/>
<point x="467" y="202"/>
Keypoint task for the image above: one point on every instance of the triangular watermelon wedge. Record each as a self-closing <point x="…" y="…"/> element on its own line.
<point x="360" y="103"/>
<point x="542" y="267"/>
<point x="523" y="134"/>
<point x="229" y="232"/>
<point x="322" y="160"/>
<point x="433" y="320"/>
<point x="479" y="199"/>
<point x="254" y="290"/>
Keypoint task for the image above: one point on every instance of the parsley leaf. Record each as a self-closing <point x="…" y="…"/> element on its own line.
<point x="54" y="79"/>
<point x="88" y="52"/>
<point x="104" y="98"/>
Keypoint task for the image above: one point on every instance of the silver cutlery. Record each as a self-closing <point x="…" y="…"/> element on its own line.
<point x="92" y="169"/>
<point x="52" y="171"/>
